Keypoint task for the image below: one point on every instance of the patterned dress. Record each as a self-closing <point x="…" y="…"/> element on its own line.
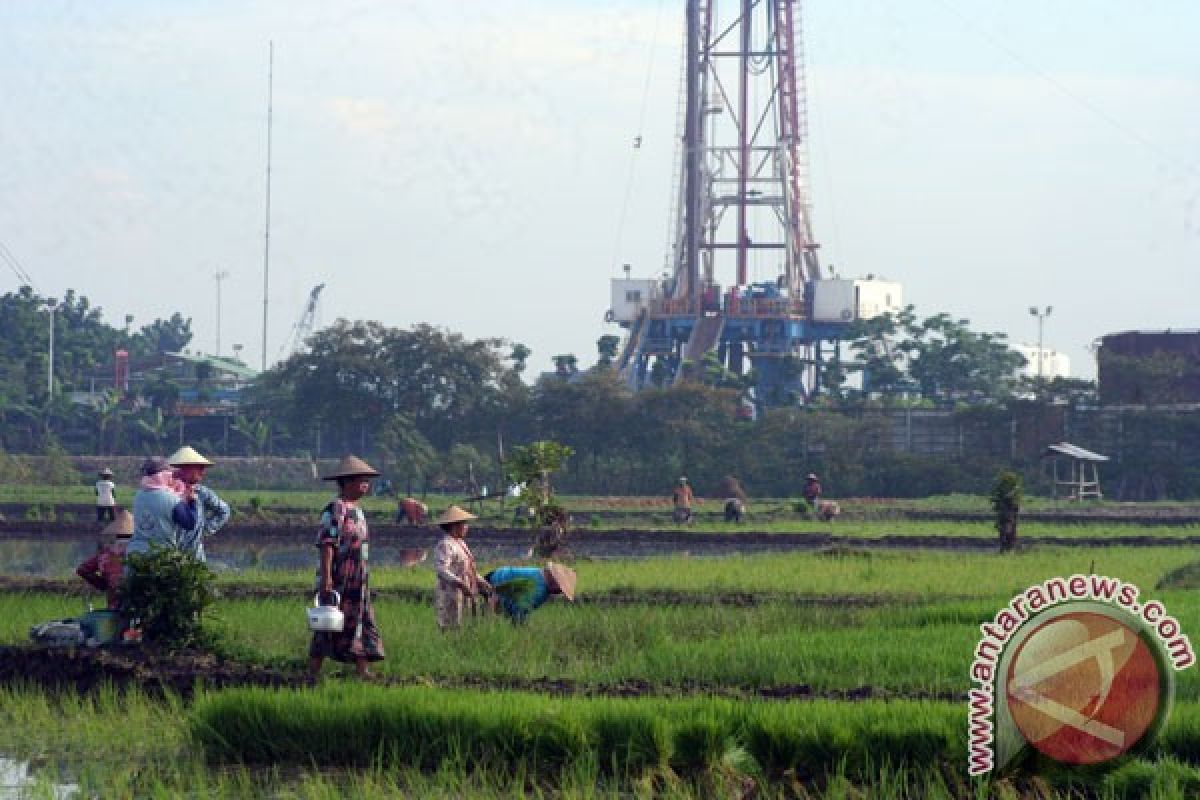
<point x="344" y="528"/>
<point x="453" y="562"/>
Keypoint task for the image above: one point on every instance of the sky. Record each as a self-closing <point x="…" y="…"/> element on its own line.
<point x="470" y="165"/>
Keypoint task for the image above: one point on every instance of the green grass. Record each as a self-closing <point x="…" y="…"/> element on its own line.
<point x="918" y="646"/>
<point x="358" y="725"/>
<point x="928" y="574"/>
<point x="918" y="635"/>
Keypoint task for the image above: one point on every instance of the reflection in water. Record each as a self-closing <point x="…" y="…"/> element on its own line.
<point x="17" y="780"/>
<point x="59" y="557"/>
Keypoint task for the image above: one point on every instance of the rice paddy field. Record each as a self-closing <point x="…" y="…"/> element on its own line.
<point x="839" y="673"/>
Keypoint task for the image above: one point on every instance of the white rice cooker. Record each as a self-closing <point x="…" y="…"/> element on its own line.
<point x="326" y="619"/>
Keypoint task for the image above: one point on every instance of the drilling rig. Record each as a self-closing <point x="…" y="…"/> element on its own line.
<point x="743" y="279"/>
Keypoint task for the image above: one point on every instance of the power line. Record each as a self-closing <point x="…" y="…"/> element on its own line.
<point x="1079" y="100"/>
<point x="14" y="264"/>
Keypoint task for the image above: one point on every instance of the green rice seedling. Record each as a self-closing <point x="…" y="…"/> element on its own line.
<point x="629" y="741"/>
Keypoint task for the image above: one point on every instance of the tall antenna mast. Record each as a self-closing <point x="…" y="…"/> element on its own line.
<point x="267" y="237"/>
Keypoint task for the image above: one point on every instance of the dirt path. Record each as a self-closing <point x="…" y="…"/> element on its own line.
<point x="181" y="674"/>
<point x="620" y="596"/>
<point x="622" y="543"/>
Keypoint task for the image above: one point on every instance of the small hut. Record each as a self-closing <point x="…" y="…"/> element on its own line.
<point x="1076" y="483"/>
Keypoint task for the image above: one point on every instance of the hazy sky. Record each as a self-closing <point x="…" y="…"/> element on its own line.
<point x="466" y="164"/>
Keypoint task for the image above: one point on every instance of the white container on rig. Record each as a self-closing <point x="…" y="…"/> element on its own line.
<point x="629" y="297"/>
<point x="842" y="300"/>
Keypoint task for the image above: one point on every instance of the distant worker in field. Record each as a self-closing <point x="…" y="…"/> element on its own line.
<point x="812" y="491"/>
<point x="105" y="569"/>
<point x="106" y="497"/>
<point x="735" y="498"/>
<point x="458" y="581"/>
<point x="209" y="513"/>
<point x="734" y="509"/>
<point x="518" y="591"/>
<point x="411" y="511"/>
<point x="342" y="542"/>
<point x="683" y="499"/>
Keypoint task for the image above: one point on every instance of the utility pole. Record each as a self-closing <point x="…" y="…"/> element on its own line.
<point x="51" y="306"/>
<point x="267" y="235"/>
<point x="220" y="276"/>
<point x="1041" y="318"/>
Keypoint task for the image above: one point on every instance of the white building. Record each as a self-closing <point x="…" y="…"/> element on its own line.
<point x="1054" y="363"/>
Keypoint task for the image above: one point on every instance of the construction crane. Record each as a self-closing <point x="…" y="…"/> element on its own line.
<point x="304" y="325"/>
<point x="743" y="280"/>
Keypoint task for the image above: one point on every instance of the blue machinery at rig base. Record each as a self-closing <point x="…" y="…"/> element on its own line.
<point x="742" y="206"/>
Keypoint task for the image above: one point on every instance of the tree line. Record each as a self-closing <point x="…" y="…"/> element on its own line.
<point x="435" y="408"/>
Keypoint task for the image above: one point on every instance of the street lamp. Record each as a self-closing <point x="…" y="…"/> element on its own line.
<point x="1041" y="318"/>
<point x="51" y="306"/>
<point x="220" y="276"/>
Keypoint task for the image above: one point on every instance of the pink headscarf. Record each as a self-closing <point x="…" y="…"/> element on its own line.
<point x="164" y="480"/>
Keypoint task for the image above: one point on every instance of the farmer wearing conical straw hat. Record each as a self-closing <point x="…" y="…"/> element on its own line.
<point x="517" y="591"/>
<point x="457" y="578"/>
<point x="105" y="569"/>
<point x="209" y="513"/>
<point x="342" y="542"/>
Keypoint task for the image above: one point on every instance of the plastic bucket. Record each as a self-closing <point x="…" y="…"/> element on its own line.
<point x="103" y="626"/>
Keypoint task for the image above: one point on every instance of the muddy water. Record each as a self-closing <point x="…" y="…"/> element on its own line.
<point x="57" y="555"/>
<point x="60" y="557"/>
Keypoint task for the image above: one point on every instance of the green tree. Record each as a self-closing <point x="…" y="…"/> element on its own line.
<point x="592" y="416"/>
<point x="607" y="346"/>
<point x="1006" y="496"/>
<point x="463" y="462"/>
<point x="565" y="365"/>
<point x="939" y="357"/>
<point x="254" y="431"/>
<point x="519" y="355"/>
<point x="354" y="376"/>
<point x="405" y="450"/>
<point x="530" y="466"/>
<point x="169" y="335"/>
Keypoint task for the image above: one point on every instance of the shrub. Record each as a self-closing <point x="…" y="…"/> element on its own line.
<point x="1006" y="496"/>
<point x="168" y="591"/>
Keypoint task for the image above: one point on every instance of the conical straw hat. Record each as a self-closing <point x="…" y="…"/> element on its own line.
<point x="121" y="527"/>
<point x="187" y="457"/>
<point x="454" y="514"/>
<point x="564" y="577"/>
<point x="351" y="466"/>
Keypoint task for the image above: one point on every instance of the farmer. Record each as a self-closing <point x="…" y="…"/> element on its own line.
<point x="208" y="513"/>
<point x="682" y="498"/>
<point x="106" y="497"/>
<point x="812" y="490"/>
<point x="342" y="543"/>
<point x="734" y="509"/>
<point x="160" y="512"/>
<point x="411" y="511"/>
<point x="104" y="570"/>
<point x="457" y="579"/>
<point x="517" y="591"/>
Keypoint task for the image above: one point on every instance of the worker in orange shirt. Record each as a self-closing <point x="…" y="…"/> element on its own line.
<point x="682" y="498"/>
